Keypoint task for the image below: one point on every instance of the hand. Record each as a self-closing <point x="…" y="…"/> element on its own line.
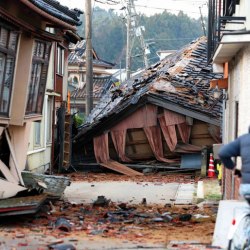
<point x="237" y="172"/>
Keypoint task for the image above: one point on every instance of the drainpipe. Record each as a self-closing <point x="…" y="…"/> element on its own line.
<point x="223" y="130"/>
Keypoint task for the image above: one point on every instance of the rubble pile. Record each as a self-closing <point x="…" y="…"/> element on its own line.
<point x="160" y="177"/>
<point x="106" y="219"/>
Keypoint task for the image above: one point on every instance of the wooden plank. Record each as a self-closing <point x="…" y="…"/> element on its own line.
<point x="7" y="174"/>
<point x="12" y="152"/>
<point x="9" y="189"/>
<point x="121" y="168"/>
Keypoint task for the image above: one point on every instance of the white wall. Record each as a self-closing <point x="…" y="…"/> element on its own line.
<point x="243" y="10"/>
<point x="239" y="90"/>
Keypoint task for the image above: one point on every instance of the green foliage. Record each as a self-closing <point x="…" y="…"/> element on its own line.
<point x="164" y="31"/>
<point x="78" y="120"/>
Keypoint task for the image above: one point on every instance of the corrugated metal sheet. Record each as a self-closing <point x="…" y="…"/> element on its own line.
<point x="21" y="205"/>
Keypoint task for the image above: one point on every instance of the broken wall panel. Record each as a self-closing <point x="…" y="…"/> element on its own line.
<point x="137" y="146"/>
<point x="200" y="135"/>
<point x="147" y="143"/>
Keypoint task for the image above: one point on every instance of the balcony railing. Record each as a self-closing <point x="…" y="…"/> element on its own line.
<point x="219" y="17"/>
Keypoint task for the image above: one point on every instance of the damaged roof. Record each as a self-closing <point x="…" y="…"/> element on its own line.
<point x="77" y="56"/>
<point x="180" y="82"/>
<point x="59" y="11"/>
<point x="101" y="85"/>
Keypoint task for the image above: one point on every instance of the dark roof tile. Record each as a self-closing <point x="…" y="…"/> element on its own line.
<point x="59" y="11"/>
<point x="179" y="79"/>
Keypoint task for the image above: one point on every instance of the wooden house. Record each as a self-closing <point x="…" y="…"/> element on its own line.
<point x="102" y="79"/>
<point x="31" y="31"/>
<point x="167" y="114"/>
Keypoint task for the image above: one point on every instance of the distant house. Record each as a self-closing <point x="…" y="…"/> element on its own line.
<point x="30" y="34"/>
<point x="101" y="85"/>
<point x="166" y="113"/>
<point x="102" y="79"/>
<point x="229" y="51"/>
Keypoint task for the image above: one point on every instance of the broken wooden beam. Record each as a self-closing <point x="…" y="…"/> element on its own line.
<point x="121" y="168"/>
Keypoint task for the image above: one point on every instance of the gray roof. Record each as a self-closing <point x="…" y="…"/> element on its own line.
<point x="77" y="56"/>
<point x="101" y="85"/>
<point x="59" y="11"/>
<point x="180" y="82"/>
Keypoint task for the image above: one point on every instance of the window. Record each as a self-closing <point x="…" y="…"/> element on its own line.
<point x="60" y="61"/>
<point x="49" y="120"/>
<point x="8" y="45"/>
<point x="38" y="77"/>
<point x="37" y="126"/>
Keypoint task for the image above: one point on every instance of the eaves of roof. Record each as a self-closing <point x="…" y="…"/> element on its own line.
<point x="55" y="12"/>
<point x="123" y="111"/>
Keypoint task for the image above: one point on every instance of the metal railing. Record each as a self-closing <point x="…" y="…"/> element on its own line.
<point x="219" y="15"/>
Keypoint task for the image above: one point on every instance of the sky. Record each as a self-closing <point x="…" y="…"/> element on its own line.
<point x="147" y="7"/>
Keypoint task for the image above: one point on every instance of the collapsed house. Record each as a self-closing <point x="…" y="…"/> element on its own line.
<point x="34" y="36"/>
<point x="166" y="114"/>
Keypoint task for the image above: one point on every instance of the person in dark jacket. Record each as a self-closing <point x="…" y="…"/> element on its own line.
<point x="238" y="147"/>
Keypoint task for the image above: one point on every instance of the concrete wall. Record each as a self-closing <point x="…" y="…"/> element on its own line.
<point x="238" y="91"/>
<point x="243" y="10"/>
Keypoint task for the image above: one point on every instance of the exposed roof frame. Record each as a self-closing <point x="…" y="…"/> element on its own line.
<point x="184" y="111"/>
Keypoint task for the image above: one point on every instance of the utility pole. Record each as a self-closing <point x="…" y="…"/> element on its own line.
<point x="128" y="52"/>
<point x="89" y="56"/>
<point x="134" y="30"/>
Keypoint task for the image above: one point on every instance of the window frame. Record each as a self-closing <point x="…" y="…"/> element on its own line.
<point x="49" y="121"/>
<point x="38" y="80"/>
<point x="37" y="134"/>
<point x="60" y="63"/>
<point x="9" y="51"/>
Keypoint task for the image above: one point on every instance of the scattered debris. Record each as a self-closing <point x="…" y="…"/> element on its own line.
<point x="107" y="220"/>
<point x="144" y="201"/>
<point x="62" y="247"/>
<point x="101" y="201"/>
<point x="63" y="224"/>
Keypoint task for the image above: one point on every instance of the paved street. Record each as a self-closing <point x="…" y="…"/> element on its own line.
<point x="132" y="192"/>
<point x="165" y="216"/>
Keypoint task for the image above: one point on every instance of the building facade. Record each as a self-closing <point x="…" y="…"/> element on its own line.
<point x="26" y="45"/>
<point x="229" y="44"/>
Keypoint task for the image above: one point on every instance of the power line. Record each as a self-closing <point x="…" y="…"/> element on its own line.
<point x="169" y="39"/>
<point x="160" y="8"/>
<point x="110" y="2"/>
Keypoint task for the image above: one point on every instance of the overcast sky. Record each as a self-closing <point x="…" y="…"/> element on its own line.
<point x="148" y="7"/>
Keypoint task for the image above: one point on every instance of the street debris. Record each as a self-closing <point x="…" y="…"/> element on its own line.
<point x="62" y="247"/>
<point x="140" y="222"/>
<point x="101" y="201"/>
<point x="61" y="224"/>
